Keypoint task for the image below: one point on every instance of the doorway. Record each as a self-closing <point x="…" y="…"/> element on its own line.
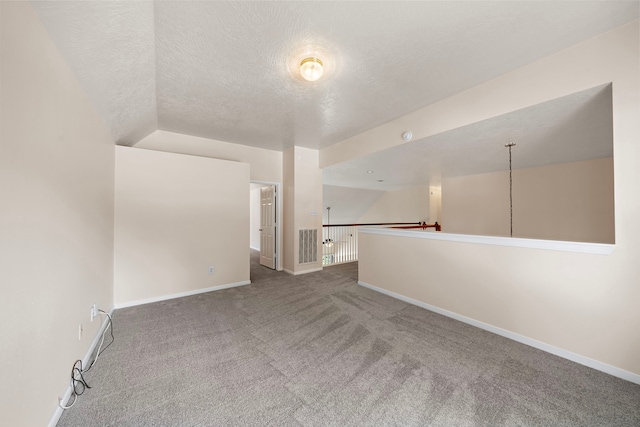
<point x="265" y="223"/>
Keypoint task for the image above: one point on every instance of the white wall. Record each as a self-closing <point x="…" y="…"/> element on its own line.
<point x="266" y="165"/>
<point x="408" y="205"/>
<point x="254" y="221"/>
<point x="176" y="215"/>
<point x="56" y="219"/>
<point x="582" y="303"/>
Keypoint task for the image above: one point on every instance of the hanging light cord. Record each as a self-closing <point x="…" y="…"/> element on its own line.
<point x="509" y="145"/>
<point x="328" y="241"/>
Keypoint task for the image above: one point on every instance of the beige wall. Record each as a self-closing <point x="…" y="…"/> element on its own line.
<point x="289" y="253"/>
<point x="266" y="165"/>
<point x="175" y="216"/>
<point x="435" y="204"/>
<point x="583" y="303"/>
<point x="570" y="201"/>
<point x="56" y="217"/>
<point x="477" y="204"/>
<point x="302" y="205"/>
<point x="56" y="220"/>
<point x="566" y="202"/>
<point x="408" y="205"/>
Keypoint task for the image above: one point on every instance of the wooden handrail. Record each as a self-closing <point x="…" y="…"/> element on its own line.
<point x="400" y="225"/>
<point x="369" y="224"/>
<point x="422" y="226"/>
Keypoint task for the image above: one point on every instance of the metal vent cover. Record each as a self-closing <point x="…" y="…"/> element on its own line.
<point x="308" y="246"/>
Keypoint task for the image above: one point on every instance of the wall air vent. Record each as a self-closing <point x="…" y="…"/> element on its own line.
<point x="308" y="246"/>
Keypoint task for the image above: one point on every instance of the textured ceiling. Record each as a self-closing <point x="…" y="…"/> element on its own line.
<point x="572" y="128"/>
<point x="225" y="70"/>
<point x="111" y="48"/>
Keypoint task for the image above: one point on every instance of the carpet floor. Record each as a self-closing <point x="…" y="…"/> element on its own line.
<point x="320" y="350"/>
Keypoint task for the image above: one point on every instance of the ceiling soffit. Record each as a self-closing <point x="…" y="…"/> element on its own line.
<point x="572" y="128"/>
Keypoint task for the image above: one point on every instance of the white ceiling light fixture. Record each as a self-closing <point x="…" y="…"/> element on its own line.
<point x="311" y="69"/>
<point x="407" y="136"/>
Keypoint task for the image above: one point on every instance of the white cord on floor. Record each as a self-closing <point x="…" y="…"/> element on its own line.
<point x="101" y="341"/>
<point x="79" y="371"/>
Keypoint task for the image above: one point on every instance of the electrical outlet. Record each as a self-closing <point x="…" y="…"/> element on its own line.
<point x="80" y="331"/>
<point x="211" y="269"/>
<point x="94" y="311"/>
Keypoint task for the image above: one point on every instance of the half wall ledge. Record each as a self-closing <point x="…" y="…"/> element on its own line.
<point x="517" y="242"/>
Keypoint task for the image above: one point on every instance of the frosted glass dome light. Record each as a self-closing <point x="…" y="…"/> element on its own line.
<point x="311" y="69"/>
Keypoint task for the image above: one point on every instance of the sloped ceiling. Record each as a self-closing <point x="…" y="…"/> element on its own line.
<point x="226" y="70"/>
<point x="110" y="46"/>
<point x="347" y="204"/>
<point x="572" y="128"/>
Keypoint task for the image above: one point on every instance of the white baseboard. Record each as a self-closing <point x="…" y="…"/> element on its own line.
<point x="58" y="413"/>
<point x="255" y="249"/>
<point x="296" y="273"/>
<point x="85" y="363"/>
<point x="574" y="357"/>
<point x="181" y="294"/>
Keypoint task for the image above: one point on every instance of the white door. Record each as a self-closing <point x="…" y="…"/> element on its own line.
<point x="268" y="226"/>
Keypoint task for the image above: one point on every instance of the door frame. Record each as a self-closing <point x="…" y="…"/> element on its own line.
<point x="279" y="227"/>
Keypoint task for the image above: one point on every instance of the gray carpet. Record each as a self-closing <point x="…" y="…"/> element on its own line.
<point x="319" y="350"/>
